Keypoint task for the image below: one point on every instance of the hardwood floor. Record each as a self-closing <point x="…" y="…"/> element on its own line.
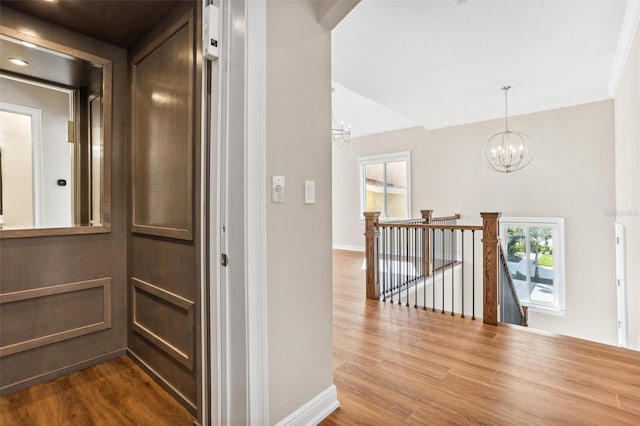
<point x="117" y="392"/>
<point x="399" y="365"/>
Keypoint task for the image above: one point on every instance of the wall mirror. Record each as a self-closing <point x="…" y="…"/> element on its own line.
<point x="55" y="129"/>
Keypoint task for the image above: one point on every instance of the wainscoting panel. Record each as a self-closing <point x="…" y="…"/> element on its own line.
<point x="72" y="325"/>
<point x="165" y="319"/>
<point x="162" y="121"/>
<point x="165" y="241"/>
<point x="38" y="317"/>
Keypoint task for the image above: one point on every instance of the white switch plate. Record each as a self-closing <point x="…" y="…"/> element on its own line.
<point x="277" y="189"/>
<point x="309" y="191"/>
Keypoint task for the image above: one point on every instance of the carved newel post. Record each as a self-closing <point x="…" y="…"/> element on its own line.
<point x="371" y="237"/>
<point x="490" y="260"/>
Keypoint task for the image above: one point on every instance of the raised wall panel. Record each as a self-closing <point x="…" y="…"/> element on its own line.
<point x="164" y="245"/>
<point x="162" y="109"/>
<point x="164" y="319"/>
<point x="38" y="317"/>
<point x="32" y="263"/>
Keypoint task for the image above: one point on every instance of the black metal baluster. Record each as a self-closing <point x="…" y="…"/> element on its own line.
<point x="444" y="254"/>
<point x="433" y="269"/>
<point x="425" y="235"/>
<point x="415" y="267"/>
<point x="473" y="276"/>
<point x="402" y="267"/>
<point x="462" y="270"/>
<point x="395" y="263"/>
<point x="376" y="255"/>
<point x="452" y="274"/>
<point x="384" y="264"/>
<point x="390" y="254"/>
<point x="406" y="269"/>
<point x="398" y="273"/>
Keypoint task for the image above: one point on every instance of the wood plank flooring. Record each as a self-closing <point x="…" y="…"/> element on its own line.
<point x="399" y="365"/>
<point x="117" y="392"/>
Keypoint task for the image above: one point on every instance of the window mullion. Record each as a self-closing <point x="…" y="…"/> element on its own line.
<point x="384" y="186"/>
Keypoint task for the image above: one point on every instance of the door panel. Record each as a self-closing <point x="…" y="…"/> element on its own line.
<point x="164" y="300"/>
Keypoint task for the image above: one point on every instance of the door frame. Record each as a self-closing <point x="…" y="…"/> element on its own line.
<point x="237" y="179"/>
<point x="36" y="154"/>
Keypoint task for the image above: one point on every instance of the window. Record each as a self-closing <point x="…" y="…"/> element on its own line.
<point x="534" y="250"/>
<point x="385" y="185"/>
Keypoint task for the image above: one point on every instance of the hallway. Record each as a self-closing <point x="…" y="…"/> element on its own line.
<point x="397" y="365"/>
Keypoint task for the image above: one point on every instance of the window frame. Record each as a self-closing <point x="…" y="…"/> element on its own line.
<point x="558" y="307"/>
<point x="378" y="159"/>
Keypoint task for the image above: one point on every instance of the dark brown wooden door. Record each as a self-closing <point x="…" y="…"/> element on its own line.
<point x="164" y="296"/>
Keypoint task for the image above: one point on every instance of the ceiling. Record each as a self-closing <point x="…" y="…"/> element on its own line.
<point x="119" y="22"/>
<point x="440" y="63"/>
<point x="47" y="65"/>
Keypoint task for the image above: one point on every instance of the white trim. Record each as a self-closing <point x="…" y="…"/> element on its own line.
<point x="384" y="158"/>
<point x="545" y="310"/>
<point x="205" y="343"/>
<point x="36" y="155"/>
<point x="559" y="305"/>
<point x="256" y="211"/>
<point x="348" y="247"/>
<point x="627" y="34"/>
<point x="315" y="410"/>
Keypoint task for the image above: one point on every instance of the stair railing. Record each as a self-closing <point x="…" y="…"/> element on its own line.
<point x="511" y="310"/>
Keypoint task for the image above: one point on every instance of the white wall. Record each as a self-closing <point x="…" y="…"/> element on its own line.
<point x="627" y="160"/>
<point x="56" y="160"/>
<point x="571" y="176"/>
<point x="299" y="257"/>
<point x="17" y="179"/>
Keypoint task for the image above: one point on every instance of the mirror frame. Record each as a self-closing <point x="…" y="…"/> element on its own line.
<point x="107" y="87"/>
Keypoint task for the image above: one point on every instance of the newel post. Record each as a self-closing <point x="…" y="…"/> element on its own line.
<point x="427" y="215"/>
<point x="490" y="264"/>
<point x="371" y="235"/>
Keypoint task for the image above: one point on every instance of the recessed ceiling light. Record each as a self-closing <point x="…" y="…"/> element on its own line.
<point x="26" y="43"/>
<point x="19" y="62"/>
<point x="51" y="1"/>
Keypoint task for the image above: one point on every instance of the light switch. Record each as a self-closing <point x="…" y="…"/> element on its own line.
<point x="277" y="189"/>
<point x="309" y="192"/>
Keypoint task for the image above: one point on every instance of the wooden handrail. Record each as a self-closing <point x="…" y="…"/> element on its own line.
<point x="521" y="309"/>
<point x="454" y="217"/>
<point x="429" y="226"/>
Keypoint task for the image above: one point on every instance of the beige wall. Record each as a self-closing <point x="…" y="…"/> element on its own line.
<point x="572" y="176"/>
<point x="17" y="179"/>
<point x="627" y="160"/>
<point x="299" y="235"/>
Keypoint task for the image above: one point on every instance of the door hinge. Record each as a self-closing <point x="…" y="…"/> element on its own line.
<point x="618" y="280"/>
<point x="617" y="240"/>
<point x="619" y="324"/>
<point x="224" y="260"/>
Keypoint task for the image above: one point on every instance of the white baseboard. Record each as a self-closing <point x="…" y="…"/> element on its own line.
<point x="348" y="247"/>
<point x="314" y="411"/>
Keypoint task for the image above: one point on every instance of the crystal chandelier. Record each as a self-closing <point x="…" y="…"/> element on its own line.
<point x="340" y="135"/>
<point x="508" y="151"/>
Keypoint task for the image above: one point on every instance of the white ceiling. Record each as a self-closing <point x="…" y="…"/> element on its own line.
<point x="437" y="63"/>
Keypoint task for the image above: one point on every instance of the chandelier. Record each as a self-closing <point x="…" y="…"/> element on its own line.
<point x="340" y="135"/>
<point x="508" y="151"/>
